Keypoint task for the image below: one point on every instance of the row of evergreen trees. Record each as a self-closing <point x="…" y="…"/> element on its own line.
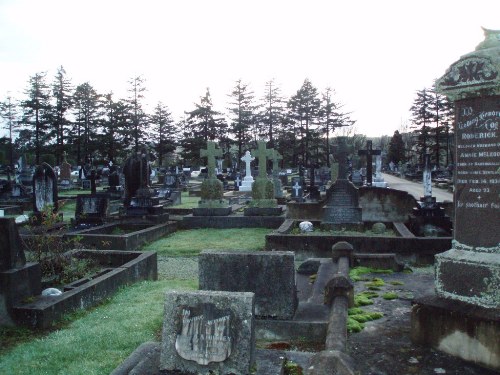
<point x="58" y="117"/>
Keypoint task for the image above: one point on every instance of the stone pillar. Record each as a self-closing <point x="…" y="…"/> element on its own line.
<point x="470" y="271"/>
<point x="463" y="319"/>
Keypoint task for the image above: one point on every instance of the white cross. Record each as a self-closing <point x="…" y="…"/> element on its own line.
<point x="247" y="159"/>
<point x="297" y="188"/>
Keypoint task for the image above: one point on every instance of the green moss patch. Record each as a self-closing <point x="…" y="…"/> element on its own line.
<point x="357" y="317"/>
<point x="356" y="273"/>
<point x="390" y="296"/>
<point x="364" y="298"/>
<point x="396" y="283"/>
<point x="376" y="282"/>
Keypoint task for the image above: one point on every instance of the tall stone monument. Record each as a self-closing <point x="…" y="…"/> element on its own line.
<point x="464" y="318"/>
<point x="342" y="208"/>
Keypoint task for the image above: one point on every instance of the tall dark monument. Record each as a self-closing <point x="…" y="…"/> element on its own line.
<point x="464" y="318"/>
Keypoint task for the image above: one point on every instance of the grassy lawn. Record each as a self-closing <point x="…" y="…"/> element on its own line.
<point x="191" y="242"/>
<point x="187" y="201"/>
<point x="95" y="341"/>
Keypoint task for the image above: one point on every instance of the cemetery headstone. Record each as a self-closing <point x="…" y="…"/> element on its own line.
<point x="369" y="152"/>
<point x="65" y="173"/>
<point x="208" y="332"/>
<point x="297" y="190"/>
<point x="314" y="194"/>
<point x="476" y="250"/>
<point x="467" y="276"/>
<point x="248" y="180"/>
<point x="379" y="181"/>
<point x="278" y="189"/>
<point x="91" y="209"/>
<point x="44" y="189"/>
<point x="18" y="279"/>
<point x="268" y="274"/>
<point x="342" y="204"/>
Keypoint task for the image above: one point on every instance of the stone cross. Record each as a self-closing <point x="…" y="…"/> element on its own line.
<point x="247" y="159"/>
<point x="297" y="188"/>
<point x="275" y="157"/>
<point x="263" y="153"/>
<point x="426" y="178"/>
<point x="369" y="152"/>
<point x="211" y="153"/>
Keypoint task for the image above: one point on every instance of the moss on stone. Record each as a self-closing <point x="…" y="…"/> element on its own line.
<point x="390" y="296"/>
<point x="356" y="272"/>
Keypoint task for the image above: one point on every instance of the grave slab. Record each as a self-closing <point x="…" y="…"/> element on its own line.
<point x="268" y="274"/>
<point x="207" y="332"/>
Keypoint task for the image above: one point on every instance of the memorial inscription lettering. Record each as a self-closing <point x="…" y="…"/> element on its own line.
<point x="478" y="171"/>
<point x="204" y="336"/>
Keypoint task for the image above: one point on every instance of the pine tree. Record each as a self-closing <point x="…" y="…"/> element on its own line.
<point x="164" y="130"/>
<point x="396" y="148"/>
<point x="332" y="117"/>
<point x="422" y="117"/>
<point x="37" y="113"/>
<point x="88" y="109"/>
<point x="273" y="104"/>
<point x="304" y="111"/>
<point x="61" y="91"/>
<point x="137" y="113"/>
<point x="242" y="115"/>
<point x="205" y="122"/>
<point x="8" y="111"/>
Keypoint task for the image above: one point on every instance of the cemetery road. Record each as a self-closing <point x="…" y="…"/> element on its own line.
<point x="416" y="188"/>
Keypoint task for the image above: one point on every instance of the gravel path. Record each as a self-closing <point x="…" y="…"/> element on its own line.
<point x="177" y="268"/>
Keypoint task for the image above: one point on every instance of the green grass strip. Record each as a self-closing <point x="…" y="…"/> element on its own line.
<point x="192" y="242"/>
<point x="95" y="341"/>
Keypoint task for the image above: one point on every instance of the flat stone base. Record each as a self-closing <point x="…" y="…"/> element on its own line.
<point x="469" y="276"/>
<point x="263" y="211"/>
<point x="214" y="211"/>
<point x="460" y="329"/>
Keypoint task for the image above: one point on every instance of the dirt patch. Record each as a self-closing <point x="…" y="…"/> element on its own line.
<point x="384" y="346"/>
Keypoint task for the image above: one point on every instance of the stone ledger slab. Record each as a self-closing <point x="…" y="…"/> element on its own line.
<point x="268" y="274"/>
<point x="207" y="332"/>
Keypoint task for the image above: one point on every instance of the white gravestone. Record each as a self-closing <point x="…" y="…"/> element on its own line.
<point x="246" y="184"/>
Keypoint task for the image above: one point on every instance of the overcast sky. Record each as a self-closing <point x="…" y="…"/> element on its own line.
<point x="375" y="54"/>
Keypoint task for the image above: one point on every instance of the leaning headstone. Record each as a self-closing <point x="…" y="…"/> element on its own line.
<point x="44" y="189"/>
<point x="208" y="332"/>
<point x="268" y="274"/>
<point x="463" y="319"/>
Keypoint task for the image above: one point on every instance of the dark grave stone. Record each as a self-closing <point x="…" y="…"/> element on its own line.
<point x="140" y="198"/>
<point x="44" y="188"/>
<point x="91" y="209"/>
<point x="65" y="173"/>
<point x="11" y="251"/>
<point x="369" y="152"/>
<point x="208" y="332"/>
<point x="268" y="274"/>
<point x="18" y="279"/>
<point x="86" y="184"/>
<point x="342" y="204"/>
<point x="297" y="189"/>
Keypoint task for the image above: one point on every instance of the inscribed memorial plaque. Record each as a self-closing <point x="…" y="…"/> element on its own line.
<point x="477" y="184"/>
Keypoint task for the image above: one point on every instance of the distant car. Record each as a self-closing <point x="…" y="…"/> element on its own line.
<point x="74" y="173"/>
<point x="195" y="173"/>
